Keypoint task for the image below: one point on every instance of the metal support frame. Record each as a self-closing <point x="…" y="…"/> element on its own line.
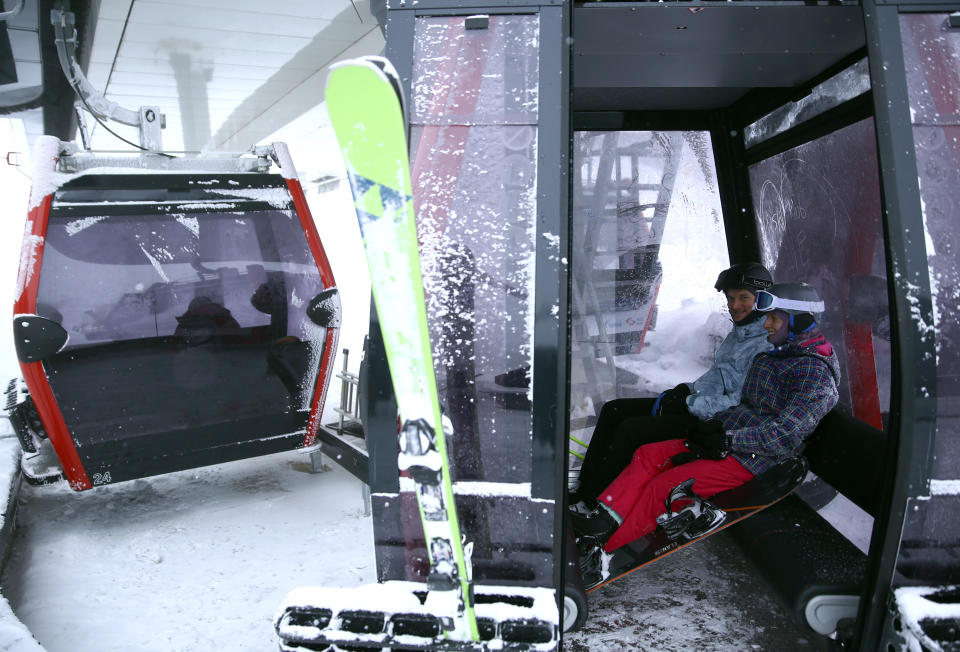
<point x="349" y="456"/>
<point x="147" y="119"/>
<point x="913" y="403"/>
<point x="353" y="458"/>
<point x="349" y="395"/>
<point x="71" y="159"/>
<point x="551" y="356"/>
<point x="733" y="183"/>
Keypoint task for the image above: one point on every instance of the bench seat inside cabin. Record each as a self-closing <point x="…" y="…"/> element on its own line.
<point x="816" y="571"/>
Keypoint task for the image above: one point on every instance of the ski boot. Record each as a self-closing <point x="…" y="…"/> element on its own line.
<point x="598" y="524"/>
<point x="578" y="503"/>
<point x="591" y="564"/>
<point x="693" y="520"/>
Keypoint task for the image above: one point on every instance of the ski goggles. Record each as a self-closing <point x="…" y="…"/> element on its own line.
<point x="730" y="278"/>
<point x="767" y="302"/>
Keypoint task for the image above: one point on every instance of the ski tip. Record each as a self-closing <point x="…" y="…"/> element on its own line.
<point x="352" y="63"/>
<point x="379" y="65"/>
<point x="393" y="77"/>
<point x="382" y="68"/>
<point x="383" y="64"/>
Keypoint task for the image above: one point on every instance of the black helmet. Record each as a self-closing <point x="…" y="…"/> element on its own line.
<point x="799" y="300"/>
<point x="744" y="276"/>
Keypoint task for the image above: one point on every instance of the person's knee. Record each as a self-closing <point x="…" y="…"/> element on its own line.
<point x="660" y="487"/>
<point x="642" y="457"/>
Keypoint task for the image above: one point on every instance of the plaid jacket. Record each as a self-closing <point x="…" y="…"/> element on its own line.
<point x="786" y="393"/>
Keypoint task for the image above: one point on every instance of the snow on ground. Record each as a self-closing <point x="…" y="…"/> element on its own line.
<point x="14" y="636"/>
<point x="193" y="560"/>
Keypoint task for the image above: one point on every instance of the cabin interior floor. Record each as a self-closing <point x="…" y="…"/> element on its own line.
<point x="703" y="597"/>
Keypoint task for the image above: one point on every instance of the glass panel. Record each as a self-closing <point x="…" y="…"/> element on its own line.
<point x="474" y="174"/>
<point x="843" y="86"/>
<point x="472" y="77"/>
<point x="179" y="321"/>
<point x="931" y="54"/>
<point x="818" y="210"/>
<point x="477" y="230"/>
<point x="932" y="58"/>
<point x="648" y="243"/>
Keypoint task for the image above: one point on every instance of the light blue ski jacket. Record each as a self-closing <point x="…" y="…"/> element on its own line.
<point x="719" y="388"/>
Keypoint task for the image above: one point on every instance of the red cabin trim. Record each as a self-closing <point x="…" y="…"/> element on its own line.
<point x="31" y="256"/>
<point x="326" y="276"/>
<point x="457" y="96"/>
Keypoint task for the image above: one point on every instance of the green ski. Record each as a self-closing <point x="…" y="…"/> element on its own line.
<point x="367" y="115"/>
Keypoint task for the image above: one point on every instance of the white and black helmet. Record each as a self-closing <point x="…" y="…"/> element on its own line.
<point x="795" y="299"/>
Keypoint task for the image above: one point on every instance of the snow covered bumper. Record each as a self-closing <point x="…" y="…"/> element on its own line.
<point x="408" y="616"/>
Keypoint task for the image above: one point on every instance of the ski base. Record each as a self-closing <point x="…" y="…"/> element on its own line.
<point x="409" y="616"/>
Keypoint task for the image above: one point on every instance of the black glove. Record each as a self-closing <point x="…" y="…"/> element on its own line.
<point x="672" y="401"/>
<point x="708" y="439"/>
<point x="685" y="457"/>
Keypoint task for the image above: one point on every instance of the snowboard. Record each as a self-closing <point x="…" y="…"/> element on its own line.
<point x="366" y="108"/>
<point x="738" y="503"/>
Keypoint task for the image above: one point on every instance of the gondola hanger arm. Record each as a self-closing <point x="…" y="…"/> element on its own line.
<point x="148" y="119"/>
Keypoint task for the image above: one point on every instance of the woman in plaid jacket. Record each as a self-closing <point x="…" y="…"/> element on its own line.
<point x="786" y="393"/>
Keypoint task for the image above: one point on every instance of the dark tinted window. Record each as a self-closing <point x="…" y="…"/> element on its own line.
<point x="121" y="277"/>
<point x="179" y="321"/>
<point x="818" y="211"/>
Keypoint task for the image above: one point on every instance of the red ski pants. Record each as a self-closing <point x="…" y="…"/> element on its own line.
<point x="639" y="492"/>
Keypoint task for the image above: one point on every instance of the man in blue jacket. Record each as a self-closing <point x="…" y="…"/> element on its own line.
<point x="626" y="424"/>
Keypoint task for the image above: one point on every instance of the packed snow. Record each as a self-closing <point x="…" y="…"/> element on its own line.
<point x="194" y="560"/>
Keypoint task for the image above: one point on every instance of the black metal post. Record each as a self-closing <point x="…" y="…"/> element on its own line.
<point x="912" y="401"/>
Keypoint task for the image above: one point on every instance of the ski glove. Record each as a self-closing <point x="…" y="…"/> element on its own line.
<point x="672" y="401"/>
<point x="708" y="439"/>
<point x="684" y="458"/>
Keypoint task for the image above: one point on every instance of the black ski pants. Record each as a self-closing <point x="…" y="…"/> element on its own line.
<point x="623" y="426"/>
